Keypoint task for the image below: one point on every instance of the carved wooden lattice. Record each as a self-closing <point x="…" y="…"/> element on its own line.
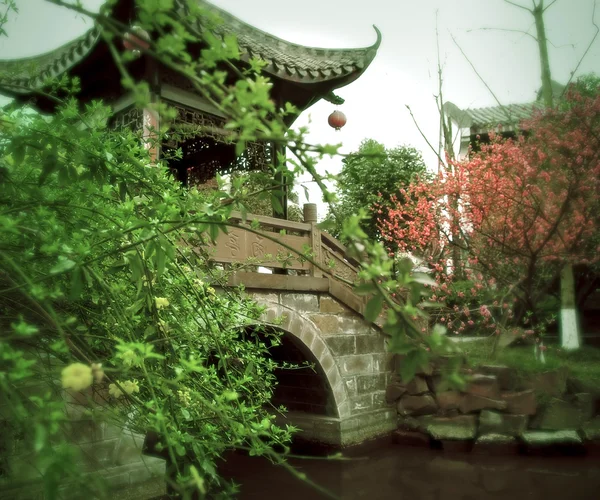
<point x="130" y="118"/>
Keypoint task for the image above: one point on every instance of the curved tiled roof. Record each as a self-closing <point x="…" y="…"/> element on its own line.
<point x="291" y="61"/>
<point x="283" y="59"/>
<point x="490" y="117"/>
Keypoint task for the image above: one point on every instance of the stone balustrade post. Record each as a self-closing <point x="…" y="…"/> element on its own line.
<point x="310" y="217"/>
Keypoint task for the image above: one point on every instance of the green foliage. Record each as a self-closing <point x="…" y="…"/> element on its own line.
<point x="106" y="284"/>
<point x="368" y="179"/>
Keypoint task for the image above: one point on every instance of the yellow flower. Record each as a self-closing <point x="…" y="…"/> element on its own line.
<point x="77" y="376"/>
<point x="127" y="387"/>
<point x="210" y="290"/>
<point x="161" y="302"/>
<point x="98" y="372"/>
<point x="114" y="391"/>
<point x="130" y="386"/>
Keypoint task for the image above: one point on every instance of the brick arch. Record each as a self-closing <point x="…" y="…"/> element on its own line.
<point x="307" y="333"/>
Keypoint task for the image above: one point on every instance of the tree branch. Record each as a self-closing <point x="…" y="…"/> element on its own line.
<point x="586" y="50"/>
<point x="517" y="5"/>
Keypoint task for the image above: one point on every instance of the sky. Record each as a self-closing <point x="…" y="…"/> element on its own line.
<point x="404" y="72"/>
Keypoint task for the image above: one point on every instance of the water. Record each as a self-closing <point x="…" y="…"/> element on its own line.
<point x="401" y="473"/>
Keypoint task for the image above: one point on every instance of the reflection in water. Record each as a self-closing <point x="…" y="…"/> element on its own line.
<point x="394" y="472"/>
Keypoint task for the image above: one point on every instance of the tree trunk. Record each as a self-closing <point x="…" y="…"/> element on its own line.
<point x="569" y="324"/>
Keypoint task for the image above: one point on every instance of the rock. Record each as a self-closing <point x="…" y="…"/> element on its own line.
<point x="410" y="438"/>
<point x="553" y="383"/>
<point x="591" y="430"/>
<point x="565" y="441"/>
<point x="449" y="400"/>
<point x="472" y="402"/>
<point x="394" y="391"/>
<point x="455" y="428"/>
<point x="501" y="423"/>
<point x="506" y="377"/>
<point x="496" y="444"/>
<point x="417" y="405"/>
<point x="520" y="403"/>
<point x="418" y="385"/>
<point x="559" y="414"/>
<point x="586" y="402"/>
<point x="483" y="385"/>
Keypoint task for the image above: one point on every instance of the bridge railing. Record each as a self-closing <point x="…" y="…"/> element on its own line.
<point x="281" y="244"/>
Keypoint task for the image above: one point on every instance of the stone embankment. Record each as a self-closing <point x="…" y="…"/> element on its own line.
<point x="497" y="412"/>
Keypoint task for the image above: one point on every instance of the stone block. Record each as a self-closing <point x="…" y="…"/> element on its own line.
<point x="370" y="343"/>
<point x="407" y="423"/>
<point x="449" y="400"/>
<point x="410" y="438"/>
<point x="379" y="399"/>
<point x="496" y="444"/>
<point x="265" y="297"/>
<point x="300" y="302"/>
<point x="361" y="403"/>
<point x="491" y="422"/>
<point x="565" y="441"/>
<point x="552" y="383"/>
<point x="394" y="390"/>
<point x="483" y="385"/>
<point x="341" y="345"/>
<point x="370" y="383"/>
<point x="330" y="305"/>
<point x="129" y="449"/>
<point x="472" y="402"/>
<point x="417" y="405"/>
<point x="355" y="365"/>
<point x="520" y="403"/>
<point x="382" y="363"/>
<point x="507" y="377"/>
<point x="591" y="430"/>
<point x="350" y="383"/>
<point x="418" y="385"/>
<point x="454" y="428"/>
<point x="99" y="455"/>
<point x="559" y="414"/>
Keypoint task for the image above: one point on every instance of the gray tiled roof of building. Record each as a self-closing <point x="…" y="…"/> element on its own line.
<point x="283" y="59"/>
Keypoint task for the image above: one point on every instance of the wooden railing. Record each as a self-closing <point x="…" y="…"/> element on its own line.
<point x="280" y="244"/>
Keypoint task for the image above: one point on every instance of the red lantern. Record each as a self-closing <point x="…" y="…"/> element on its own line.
<point x="136" y="39"/>
<point x="337" y="120"/>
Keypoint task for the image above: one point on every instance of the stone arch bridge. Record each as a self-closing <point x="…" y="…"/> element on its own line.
<point x="342" y="400"/>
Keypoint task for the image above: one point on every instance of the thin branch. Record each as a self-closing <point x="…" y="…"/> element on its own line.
<point x="586" y="50"/>
<point x="517" y="5"/>
<point x="548" y="6"/>
<point x="422" y="133"/>
<point x="504" y="29"/>
<point x="481" y="78"/>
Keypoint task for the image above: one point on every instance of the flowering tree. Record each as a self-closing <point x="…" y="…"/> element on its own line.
<point x="526" y="207"/>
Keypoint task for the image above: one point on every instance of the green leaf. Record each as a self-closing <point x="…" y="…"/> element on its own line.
<point x="49" y="165"/>
<point x="76" y="283"/>
<point x="423" y="278"/>
<point x="408" y="366"/>
<point x="62" y="266"/>
<point x="373" y="308"/>
<point x="39" y="440"/>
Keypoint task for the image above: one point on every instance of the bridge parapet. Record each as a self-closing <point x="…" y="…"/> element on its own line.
<point x="280" y="244"/>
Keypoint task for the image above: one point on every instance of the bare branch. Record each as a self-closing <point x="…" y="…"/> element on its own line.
<point x="482" y="80"/>
<point x="505" y="29"/>
<point x="586" y="50"/>
<point x="517" y="5"/>
<point x="548" y="6"/>
<point x="422" y="134"/>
